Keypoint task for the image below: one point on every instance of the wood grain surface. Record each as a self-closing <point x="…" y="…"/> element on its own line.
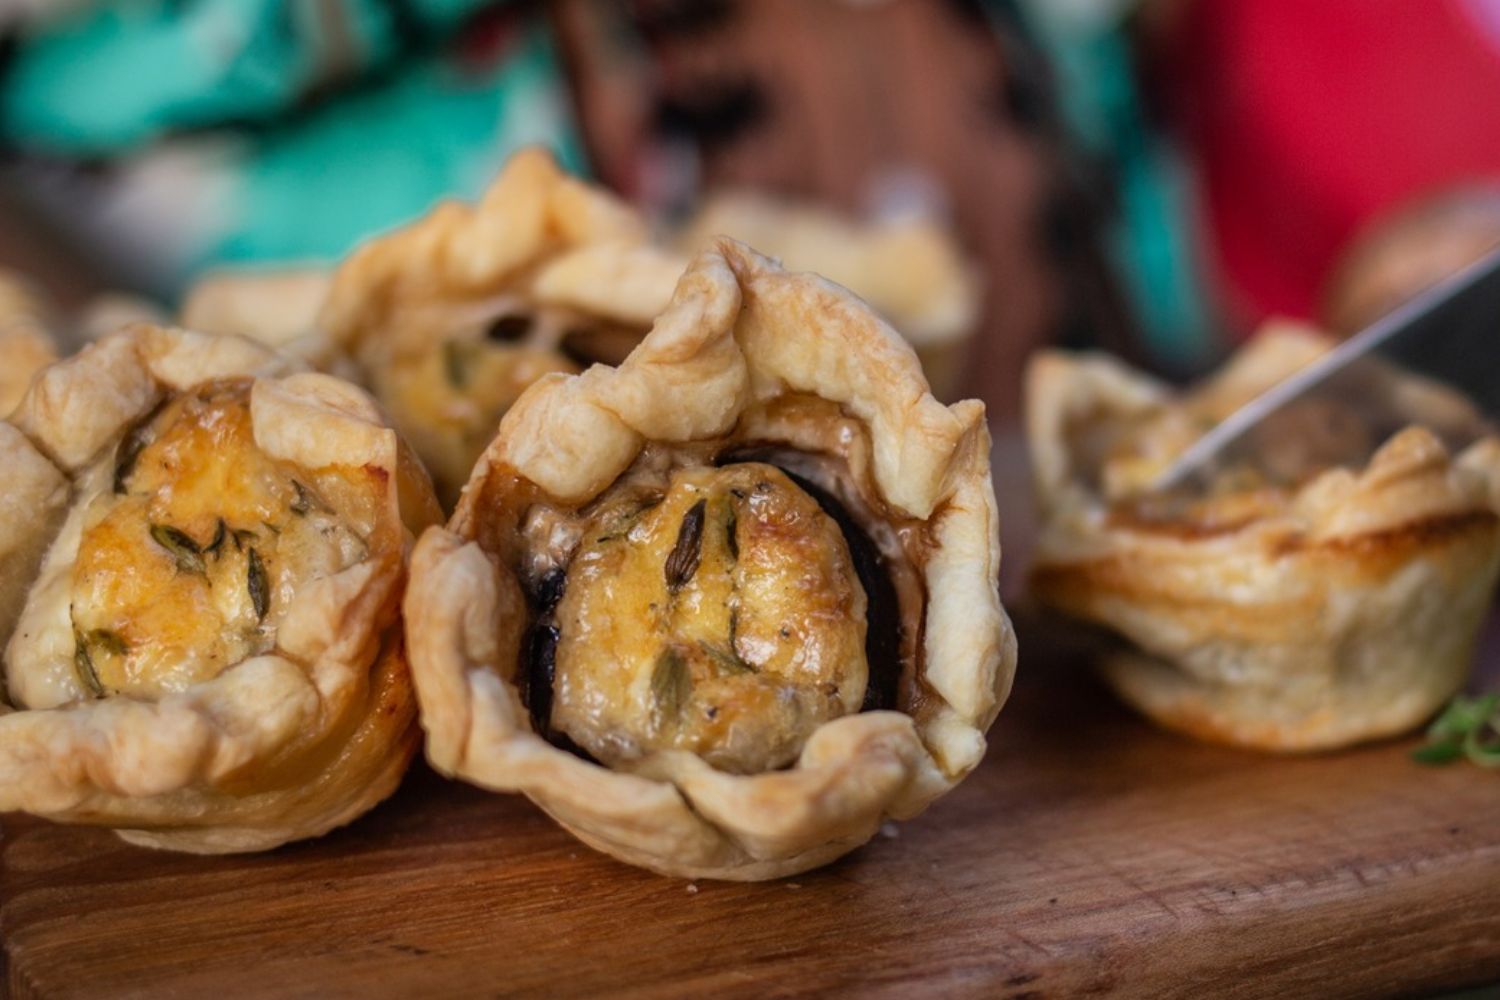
<point x="1090" y="855"/>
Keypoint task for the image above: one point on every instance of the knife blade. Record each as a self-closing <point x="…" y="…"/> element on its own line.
<point x="1449" y="333"/>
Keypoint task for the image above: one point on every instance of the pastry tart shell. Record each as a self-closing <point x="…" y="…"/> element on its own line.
<point x="739" y="337"/>
<point x="1304" y="618"/>
<point x="538" y="241"/>
<point x="910" y="269"/>
<point x="281" y="745"/>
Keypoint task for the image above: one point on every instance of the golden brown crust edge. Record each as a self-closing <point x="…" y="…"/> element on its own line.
<point x="738" y="330"/>
<point x="538" y="232"/>
<point x="328" y="720"/>
<point x="366" y="769"/>
<point x="410" y="307"/>
<point x="910" y="269"/>
<point x="1348" y="614"/>
<point x="276" y="307"/>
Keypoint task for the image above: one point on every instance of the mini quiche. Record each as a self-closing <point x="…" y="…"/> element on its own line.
<point x="723" y="609"/>
<point x="910" y="269"/>
<point x="451" y="318"/>
<point x="26" y="342"/>
<point x="1328" y="589"/>
<point x="204" y="549"/>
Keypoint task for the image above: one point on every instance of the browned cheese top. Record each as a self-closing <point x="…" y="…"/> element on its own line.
<point x="189" y="563"/>
<point x="717" y="612"/>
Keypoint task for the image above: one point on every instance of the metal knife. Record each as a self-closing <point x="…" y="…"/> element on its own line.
<point x="1449" y="333"/>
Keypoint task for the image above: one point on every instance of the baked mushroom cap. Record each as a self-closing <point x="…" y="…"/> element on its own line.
<point x="204" y="548"/>
<point x="753" y="379"/>
<point x="1318" y="599"/>
<point x="453" y="316"/>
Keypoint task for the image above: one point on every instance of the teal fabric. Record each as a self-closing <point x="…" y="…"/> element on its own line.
<point x="1153" y="241"/>
<point x="119" y="74"/>
<point x="314" y="122"/>
<point x="313" y="188"/>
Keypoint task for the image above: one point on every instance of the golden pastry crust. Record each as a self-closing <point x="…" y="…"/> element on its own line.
<point x="204" y="549"/>
<point x="109" y="311"/>
<point x="910" y="270"/>
<point x="26" y="343"/>
<point x="278" y="307"/>
<point x="745" y="357"/>
<point x="1338" y="609"/>
<point x="453" y="316"/>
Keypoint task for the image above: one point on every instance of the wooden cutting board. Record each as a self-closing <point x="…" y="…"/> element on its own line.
<point x="1090" y="854"/>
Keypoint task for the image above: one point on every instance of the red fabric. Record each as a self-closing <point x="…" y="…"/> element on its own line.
<point x="1309" y="117"/>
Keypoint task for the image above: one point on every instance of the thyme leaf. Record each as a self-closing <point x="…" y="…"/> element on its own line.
<point x="108" y="641"/>
<point x="259" y="586"/>
<point x="726" y="659"/>
<point x="83" y="662"/>
<point x="683" y="560"/>
<point x="221" y="531"/>
<point x="187" y="553"/>
<point x="131" y="446"/>
<point x="732" y="535"/>
<point x="671" y="686"/>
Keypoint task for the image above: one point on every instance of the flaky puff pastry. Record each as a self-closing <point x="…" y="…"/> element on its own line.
<point x="204" y="547"/>
<point x="276" y="306"/>
<point x="26" y="341"/>
<point x="910" y="269"/>
<point x="1312" y="609"/>
<point x="453" y="316"/>
<point x="750" y="376"/>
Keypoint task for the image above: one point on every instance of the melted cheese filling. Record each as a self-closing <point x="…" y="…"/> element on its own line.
<point x="188" y="565"/>
<point x="448" y="401"/>
<point x="718" y="613"/>
<point x="447" y="393"/>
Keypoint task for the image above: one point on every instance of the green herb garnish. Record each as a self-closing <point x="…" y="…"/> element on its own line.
<point x="187" y="553"/>
<point x="131" y="446"/>
<point x="671" y="686"/>
<point x="725" y="658"/>
<point x="83" y="660"/>
<point x="221" y="531"/>
<point x="682" y="562"/>
<point x="108" y="641"/>
<point x="1469" y="727"/>
<point x="260" y="588"/>
<point x="732" y="535"/>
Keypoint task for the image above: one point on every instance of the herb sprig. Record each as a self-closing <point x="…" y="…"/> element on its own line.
<point x="1469" y="727"/>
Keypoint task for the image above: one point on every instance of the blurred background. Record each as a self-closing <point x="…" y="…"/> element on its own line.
<point x="1154" y="177"/>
